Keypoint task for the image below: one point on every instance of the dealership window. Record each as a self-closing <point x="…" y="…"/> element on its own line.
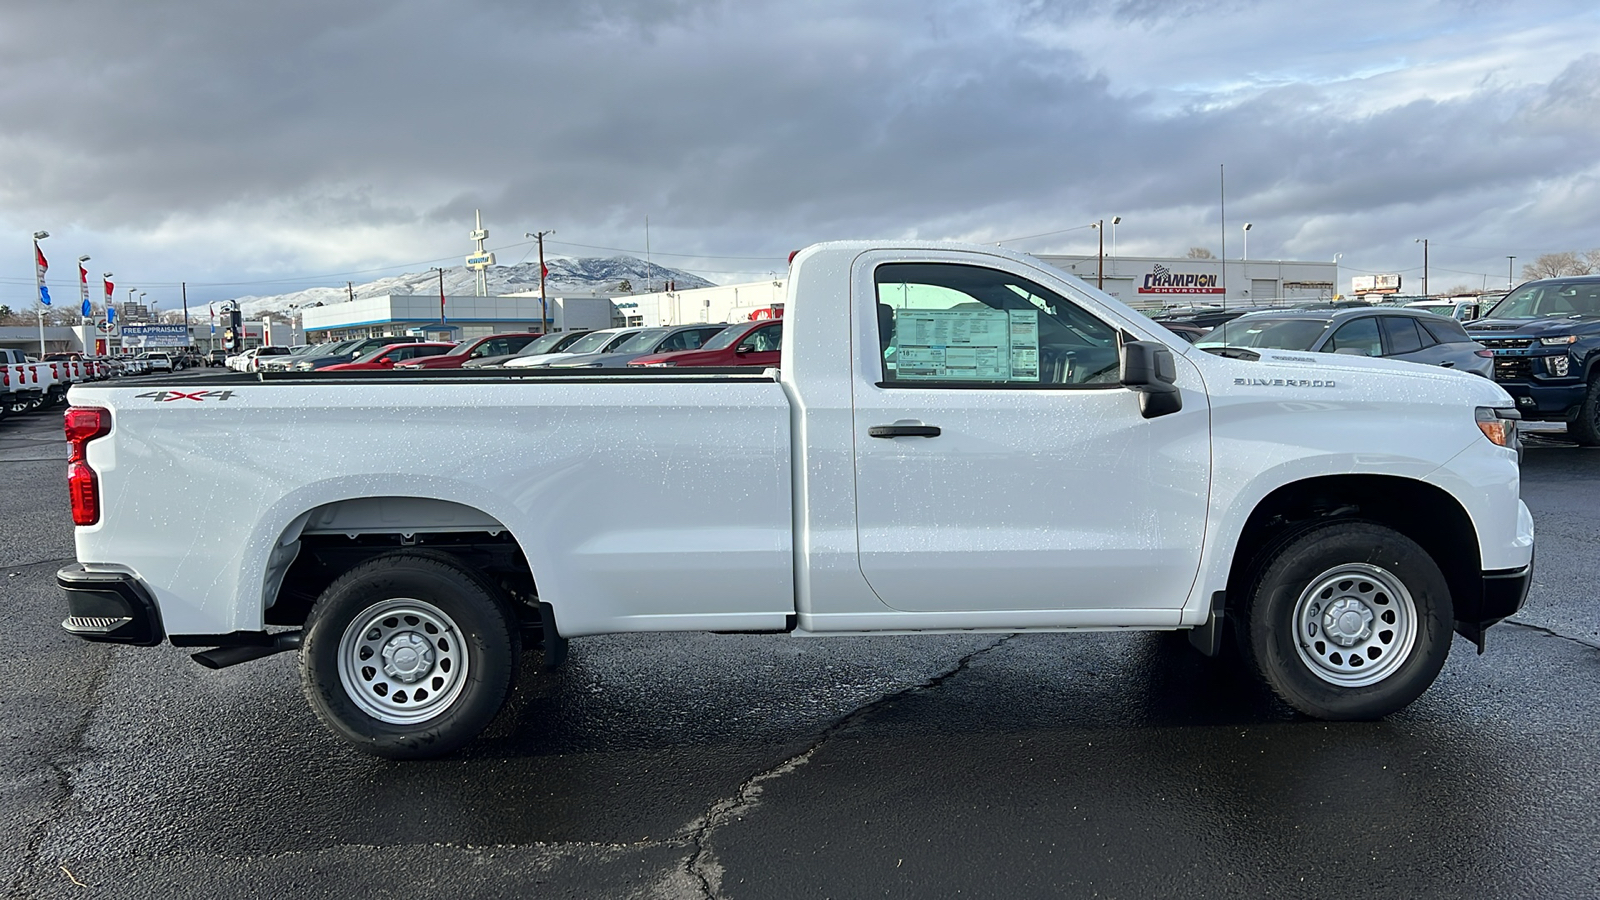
<point x="944" y="323"/>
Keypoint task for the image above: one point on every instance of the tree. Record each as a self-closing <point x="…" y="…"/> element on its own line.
<point x="1457" y="290"/>
<point x="1201" y="253"/>
<point x="1557" y="265"/>
<point x="625" y="286"/>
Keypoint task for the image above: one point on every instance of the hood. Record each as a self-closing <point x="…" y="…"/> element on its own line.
<point x="1540" y="327"/>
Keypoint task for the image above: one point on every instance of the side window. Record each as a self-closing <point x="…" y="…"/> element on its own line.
<point x="1360" y="334"/>
<point x="949" y="323"/>
<point x="1445" y="331"/>
<point x="1400" y="333"/>
<point x="762" y="339"/>
<point x="1428" y="340"/>
<point x="431" y="351"/>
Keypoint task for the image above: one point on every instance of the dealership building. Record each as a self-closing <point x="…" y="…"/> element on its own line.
<point x="456" y="318"/>
<point x="1155" y="282"/>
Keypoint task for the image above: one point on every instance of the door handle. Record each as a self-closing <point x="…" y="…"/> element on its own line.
<point x="1447" y="365"/>
<point x="906" y="430"/>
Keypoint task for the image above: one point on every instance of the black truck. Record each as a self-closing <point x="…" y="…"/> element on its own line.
<point x="1545" y="336"/>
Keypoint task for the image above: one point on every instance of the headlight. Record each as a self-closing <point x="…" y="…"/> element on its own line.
<point x="1499" y="425"/>
<point x="1559" y="341"/>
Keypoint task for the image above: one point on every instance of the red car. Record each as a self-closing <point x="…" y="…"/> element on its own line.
<point x="387" y="357"/>
<point x="741" y="344"/>
<point x="492" y="345"/>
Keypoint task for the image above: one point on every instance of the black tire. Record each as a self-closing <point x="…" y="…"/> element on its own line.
<point x="1585" y="429"/>
<point x="1348" y="581"/>
<point x="415" y="694"/>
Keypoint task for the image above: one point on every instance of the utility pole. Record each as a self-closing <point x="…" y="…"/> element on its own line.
<point x="1424" y="243"/>
<point x="1510" y="261"/>
<point x="184" y="287"/>
<point x="350" y="290"/>
<point x="442" y="320"/>
<point x="544" y="310"/>
<point x="1222" y="197"/>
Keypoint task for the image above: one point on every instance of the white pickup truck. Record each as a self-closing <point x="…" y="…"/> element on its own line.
<point x="959" y="439"/>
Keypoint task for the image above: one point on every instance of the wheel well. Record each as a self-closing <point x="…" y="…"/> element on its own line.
<point x="324" y="557"/>
<point x="1420" y="511"/>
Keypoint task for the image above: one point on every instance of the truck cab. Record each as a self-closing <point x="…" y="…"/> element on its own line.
<point x="1545" y="336"/>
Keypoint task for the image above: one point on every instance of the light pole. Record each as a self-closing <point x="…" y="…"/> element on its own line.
<point x="1510" y="261"/>
<point x="1424" y="243"/>
<point x="1246" y="257"/>
<point x="1336" y="258"/>
<point x="544" y="310"/>
<point x="1115" y="221"/>
<point x="1100" y="279"/>
<point x="44" y="294"/>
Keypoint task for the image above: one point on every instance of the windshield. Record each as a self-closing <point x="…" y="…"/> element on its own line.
<point x="1549" y="298"/>
<point x="545" y="344"/>
<point x="643" y="342"/>
<point x="1266" y="333"/>
<point x="591" y="342"/>
<point x="724" y="338"/>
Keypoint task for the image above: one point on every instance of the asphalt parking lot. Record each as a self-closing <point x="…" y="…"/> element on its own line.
<point x="1105" y="765"/>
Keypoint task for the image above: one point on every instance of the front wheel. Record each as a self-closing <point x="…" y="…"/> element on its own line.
<point x="409" y="655"/>
<point x="1585" y="429"/>
<point x="1351" y="620"/>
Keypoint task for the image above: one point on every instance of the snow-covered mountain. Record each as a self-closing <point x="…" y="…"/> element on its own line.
<point x="568" y="277"/>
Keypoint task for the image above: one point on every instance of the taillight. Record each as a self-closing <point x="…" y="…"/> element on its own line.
<point x="82" y="425"/>
<point x="55" y="372"/>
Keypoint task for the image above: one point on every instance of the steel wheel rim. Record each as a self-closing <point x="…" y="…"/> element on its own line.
<point x="1355" y="625"/>
<point x="403" y="661"/>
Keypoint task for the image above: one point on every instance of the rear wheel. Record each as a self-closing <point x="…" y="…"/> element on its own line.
<point x="1585" y="429"/>
<point x="1349" y="621"/>
<point x="409" y="655"/>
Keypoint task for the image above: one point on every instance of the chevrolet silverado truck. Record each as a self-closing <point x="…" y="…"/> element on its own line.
<point x="959" y="439"/>
<point x="1545" y="336"/>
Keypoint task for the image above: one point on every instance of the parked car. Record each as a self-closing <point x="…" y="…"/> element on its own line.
<point x="1545" y="336"/>
<point x="295" y="354"/>
<point x="487" y="347"/>
<point x="554" y="342"/>
<point x="1397" y="333"/>
<point x="159" y="362"/>
<point x="648" y="342"/>
<point x="1462" y="309"/>
<point x="387" y="357"/>
<point x="217" y="358"/>
<point x="743" y="344"/>
<point x="1208" y="318"/>
<point x="594" y="342"/>
<point x="349" y="351"/>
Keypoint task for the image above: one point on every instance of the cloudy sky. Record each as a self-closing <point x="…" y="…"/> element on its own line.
<point x="256" y="148"/>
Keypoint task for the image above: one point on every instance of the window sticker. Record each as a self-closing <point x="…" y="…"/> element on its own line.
<point x="967" y="344"/>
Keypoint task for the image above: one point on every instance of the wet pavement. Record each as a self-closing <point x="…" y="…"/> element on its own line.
<point x="1105" y="765"/>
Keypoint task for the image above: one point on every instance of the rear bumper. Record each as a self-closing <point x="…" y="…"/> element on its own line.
<point x="109" y="607"/>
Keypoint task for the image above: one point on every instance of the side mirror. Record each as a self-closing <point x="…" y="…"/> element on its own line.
<point x="742" y="349"/>
<point x="1149" y="369"/>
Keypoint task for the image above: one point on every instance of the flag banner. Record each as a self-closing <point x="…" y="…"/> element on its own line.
<point x="109" y="286"/>
<point x="41" y="266"/>
<point x="83" y="284"/>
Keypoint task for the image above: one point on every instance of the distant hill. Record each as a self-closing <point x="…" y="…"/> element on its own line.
<point x="568" y="277"/>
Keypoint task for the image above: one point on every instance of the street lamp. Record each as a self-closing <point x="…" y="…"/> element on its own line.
<point x="1115" y="221"/>
<point x="1246" y="257"/>
<point x="1424" y="243"/>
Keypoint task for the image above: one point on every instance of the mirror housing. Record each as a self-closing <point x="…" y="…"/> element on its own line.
<point x="1149" y="369"/>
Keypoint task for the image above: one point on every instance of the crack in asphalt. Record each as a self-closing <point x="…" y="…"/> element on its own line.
<point x="55" y="561"/>
<point x="1582" y="641"/>
<point x="701" y="867"/>
<point x="59" y="767"/>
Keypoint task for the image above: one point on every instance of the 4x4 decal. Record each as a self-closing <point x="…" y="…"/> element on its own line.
<point x="197" y="396"/>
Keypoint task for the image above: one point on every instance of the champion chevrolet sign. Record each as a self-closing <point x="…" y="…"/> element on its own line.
<point x="1165" y="281"/>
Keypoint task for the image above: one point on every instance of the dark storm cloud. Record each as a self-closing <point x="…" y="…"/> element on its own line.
<point x="738" y="127"/>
